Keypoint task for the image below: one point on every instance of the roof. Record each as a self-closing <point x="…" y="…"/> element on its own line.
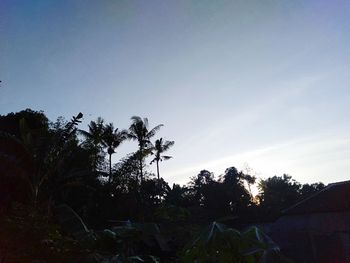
<point x="334" y="198"/>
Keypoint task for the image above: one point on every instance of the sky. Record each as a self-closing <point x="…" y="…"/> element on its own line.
<point x="259" y="85"/>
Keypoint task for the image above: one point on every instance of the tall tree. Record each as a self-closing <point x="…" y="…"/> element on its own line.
<point x="158" y="149"/>
<point x="237" y="196"/>
<point x="112" y="138"/>
<point x="277" y="193"/>
<point x="94" y="140"/>
<point x="199" y="186"/>
<point x="140" y="132"/>
<point x="40" y="158"/>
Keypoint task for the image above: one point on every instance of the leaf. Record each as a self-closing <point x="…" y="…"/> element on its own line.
<point x="71" y="222"/>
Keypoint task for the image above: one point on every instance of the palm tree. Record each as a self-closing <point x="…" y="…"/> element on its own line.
<point x="112" y="138"/>
<point x="140" y="132"/>
<point x="94" y="139"/>
<point x="159" y="148"/>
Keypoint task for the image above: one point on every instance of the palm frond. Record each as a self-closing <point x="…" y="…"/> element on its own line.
<point x="136" y="119"/>
<point x="145" y="122"/>
<point x="152" y="132"/>
<point x="85" y="134"/>
<point x="167" y="145"/>
<point x="165" y="157"/>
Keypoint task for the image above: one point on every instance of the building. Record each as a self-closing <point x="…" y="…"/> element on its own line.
<point x="317" y="229"/>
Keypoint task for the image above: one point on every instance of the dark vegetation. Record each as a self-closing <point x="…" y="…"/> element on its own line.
<point x="63" y="200"/>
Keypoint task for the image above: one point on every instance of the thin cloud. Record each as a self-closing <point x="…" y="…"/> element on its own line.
<point x="296" y="157"/>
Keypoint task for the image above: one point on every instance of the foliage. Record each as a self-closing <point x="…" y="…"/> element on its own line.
<point x="54" y="191"/>
<point x="171" y="213"/>
<point x="129" y="242"/>
<point x="140" y="132"/>
<point x="112" y="138"/>
<point x="224" y="197"/>
<point x="72" y="223"/>
<point x="278" y="193"/>
<point x="39" y="157"/>
<point x="28" y="236"/>
<point x="307" y="190"/>
<point x="218" y="243"/>
<point x="93" y="142"/>
<point x="158" y="149"/>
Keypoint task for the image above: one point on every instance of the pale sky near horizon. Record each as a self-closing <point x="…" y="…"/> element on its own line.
<point x="236" y="83"/>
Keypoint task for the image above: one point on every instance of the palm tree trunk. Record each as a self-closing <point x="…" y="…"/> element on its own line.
<point x="141" y="170"/>
<point x="110" y="168"/>
<point x="158" y="169"/>
<point x="141" y="163"/>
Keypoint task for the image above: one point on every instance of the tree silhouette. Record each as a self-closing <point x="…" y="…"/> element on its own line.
<point x="40" y="157"/>
<point x="277" y="193"/>
<point x="43" y="164"/>
<point x="158" y="149"/>
<point x="237" y="196"/>
<point x="112" y="138"/>
<point x="94" y="140"/>
<point x="199" y="185"/>
<point x="250" y="180"/>
<point x="140" y="132"/>
<point x="310" y="189"/>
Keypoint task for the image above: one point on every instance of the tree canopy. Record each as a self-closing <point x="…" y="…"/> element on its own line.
<point x="59" y="172"/>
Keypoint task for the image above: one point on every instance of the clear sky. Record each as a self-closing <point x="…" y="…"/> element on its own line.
<point x="236" y="83"/>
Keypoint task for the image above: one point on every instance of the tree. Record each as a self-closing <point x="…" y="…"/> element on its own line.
<point x="94" y="141"/>
<point x="177" y="196"/>
<point x="199" y="187"/>
<point x="278" y="193"/>
<point x="125" y="174"/>
<point x="159" y="148"/>
<point x="236" y="195"/>
<point x="249" y="179"/>
<point x="35" y="120"/>
<point x="154" y="191"/>
<point x="310" y="189"/>
<point x="140" y="132"/>
<point x="112" y="138"/>
<point x="40" y="157"/>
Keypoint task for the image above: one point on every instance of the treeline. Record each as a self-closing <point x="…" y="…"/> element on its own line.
<point x="66" y="164"/>
<point x="44" y="164"/>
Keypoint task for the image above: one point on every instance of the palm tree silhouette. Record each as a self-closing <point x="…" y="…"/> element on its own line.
<point x="94" y="139"/>
<point x="112" y="138"/>
<point x="158" y="149"/>
<point x="140" y="132"/>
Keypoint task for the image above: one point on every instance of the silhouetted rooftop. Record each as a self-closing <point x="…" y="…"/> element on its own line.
<point x="334" y="198"/>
